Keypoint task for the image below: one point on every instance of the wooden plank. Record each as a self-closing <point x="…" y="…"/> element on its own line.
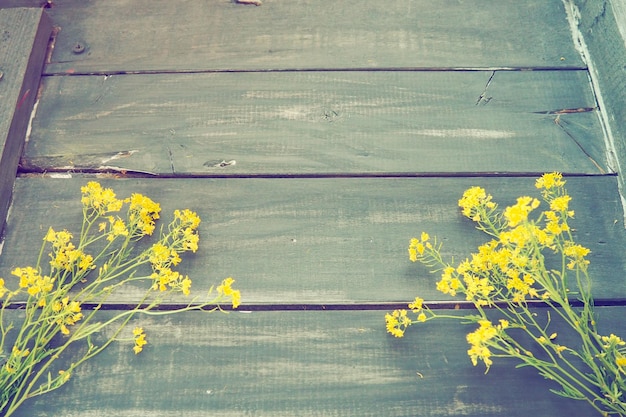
<point x="5" y="4"/>
<point x="321" y="240"/>
<point x="319" y="123"/>
<point x="23" y="41"/>
<point x="304" y="364"/>
<point x="149" y="35"/>
<point x="601" y="27"/>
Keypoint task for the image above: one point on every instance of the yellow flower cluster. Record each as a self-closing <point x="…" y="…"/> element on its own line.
<point x="75" y="278"/>
<point x="15" y="359"/>
<point x="68" y="313"/>
<point x="187" y="223"/>
<point x="64" y="255"/>
<point x="512" y="267"/>
<point x="225" y="289"/>
<point x="476" y="204"/>
<point x="35" y="284"/>
<point x="397" y="322"/>
<point x="162" y="258"/>
<point x="142" y="214"/>
<point x="140" y="340"/>
<point x="100" y="200"/>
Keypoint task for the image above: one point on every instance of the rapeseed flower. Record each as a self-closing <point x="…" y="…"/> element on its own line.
<point x="73" y="277"/>
<point x="225" y="288"/>
<point x="511" y="268"/>
<point x="100" y="200"/>
<point x="140" y="340"/>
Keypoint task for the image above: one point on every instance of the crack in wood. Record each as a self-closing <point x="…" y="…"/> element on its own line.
<point x="557" y="121"/>
<point x="482" y="98"/>
<point x="568" y="111"/>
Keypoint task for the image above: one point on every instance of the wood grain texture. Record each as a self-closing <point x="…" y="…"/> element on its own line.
<point x="187" y="35"/>
<point x="601" y="25"/>
<point x="23" y="40"/>
<point x="321" y="241"/>
<point x="304" y="364"/>
<point x="319" y="123"/>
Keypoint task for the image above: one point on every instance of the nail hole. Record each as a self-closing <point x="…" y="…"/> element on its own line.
<point x="78" y="48"/>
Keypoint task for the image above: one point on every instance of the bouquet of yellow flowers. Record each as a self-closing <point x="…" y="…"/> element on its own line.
<point x="506" y="274"/>
<point x="85" y="272"/>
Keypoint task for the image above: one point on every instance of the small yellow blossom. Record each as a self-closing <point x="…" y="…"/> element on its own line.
<point x="397" y="322"/>
<point x="549" y="181"/>
<point x="577" y="254"/>
<point x="142" y="214"/>
<point x="474" y="201"/>
<point x="417" y="304"/>
<point x="3" y="289"/>
<point x="560" y="204"/>
<point x="518" y="213"/>
<point x="140" y="340"/>
<point x="65" y="376"/>
<point x="225" y="289"/>
<point x="187" y="218"/>
<point x="118" y="228"/>
<point x="100" y="200"/>
<point x="612" y="341"/>
<point x="186" y="286"/>
<point x="479" y="341"/>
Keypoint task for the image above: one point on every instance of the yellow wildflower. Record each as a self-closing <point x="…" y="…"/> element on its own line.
<point x="140" y="339"/>
<point x="100" y="200"/>
<point x="477" y="289"/>
<point x="190" y="239"/>
<point x="69" y="313"/>
<point x="397" y="322"/>
<point x="187" y="218"/>
<point x="3" y="289"/>
<point x="612" y="341"/>
<point x="577" y="254"/>
<point x="142" y="213"/>
<point x="118" y="228"/>
<point x="474" y="200"/>
<point x="417" y="304"/>
<point x="159" y="256"/>
<point x="186" y="286"/>
<point x="560" y="204"/>
<point x="518" y="213"/>
<point x="550" y="180"/>
<point x="479" y="341"/>
<point x="65" y="376"/>
<point x="225" y="289"/>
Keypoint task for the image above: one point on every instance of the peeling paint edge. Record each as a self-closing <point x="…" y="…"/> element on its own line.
<point x="573" y="17"/>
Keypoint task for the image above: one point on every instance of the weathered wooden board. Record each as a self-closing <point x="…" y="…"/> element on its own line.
<point x="602" y="28"/>
<point x="303" y="364"/>
<point x="24" y="37"/>
<point x="320" y="240"/>
<point x="319" y="123"/>
<point x="187" y="35"/>
<point x="22" y="3"/>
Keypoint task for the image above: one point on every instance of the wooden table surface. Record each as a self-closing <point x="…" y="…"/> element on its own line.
<point x="314" y="139"/>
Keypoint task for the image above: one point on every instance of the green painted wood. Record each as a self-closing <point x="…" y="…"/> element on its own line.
<point x="304" y="364"/>
<point x="23" y="40"/>
<point x="321" y="241"/>
<point x="160" y="35"/>
<point x="4" y="4"/>
<point x="319" y="122"/>
<point x="602" y="27"/>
